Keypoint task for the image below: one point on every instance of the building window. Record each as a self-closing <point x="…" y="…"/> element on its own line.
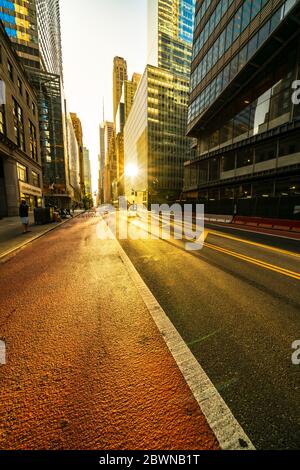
<point x="20" y="87"/>
<point x="265" y="152"/>
<point x="33" y="108"/>
<point x="244" y="157"/>
<point x="18" y="125"/>
<point x="2" y="120"/>
<point x="289" y="145"/>
<point x="228" y="162"/>
<point x="35" y="179"/>
<point x="33" y="142"/>
<point x="22" y="173"/>
<point x="27" y="98"/>
<point x="10" y="70"/>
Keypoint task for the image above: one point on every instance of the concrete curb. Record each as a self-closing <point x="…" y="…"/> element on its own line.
<point x="226" y="428"/>
<point x="9" y="253"/>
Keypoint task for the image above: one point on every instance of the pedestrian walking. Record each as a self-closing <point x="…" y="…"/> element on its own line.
<point x="23" y="213"/>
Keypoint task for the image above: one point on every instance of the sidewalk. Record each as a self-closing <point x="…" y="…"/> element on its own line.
<point x="11" y="236"/>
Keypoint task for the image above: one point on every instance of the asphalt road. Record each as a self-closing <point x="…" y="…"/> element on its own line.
<point x="236" y="303"/>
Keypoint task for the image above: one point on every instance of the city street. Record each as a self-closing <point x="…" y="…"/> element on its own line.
<point x="239" y="319"/>
<point x="82" y="372"/>
<point x="150" y="230"/>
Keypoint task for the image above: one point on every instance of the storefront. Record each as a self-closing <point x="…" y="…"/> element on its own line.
<point x="31" y="194"/>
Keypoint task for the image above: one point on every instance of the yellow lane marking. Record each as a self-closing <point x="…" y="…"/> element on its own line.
<point x="259" y="245"/>
<point x="248" y="259"/>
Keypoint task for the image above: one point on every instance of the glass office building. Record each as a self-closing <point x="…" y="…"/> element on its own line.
<point x="155" y="132"/>
<point x="155" y="139"/>
<point x="48" y="21"/>
<point x="20" y="22"/>
<point x="34" y="28"/>
<point x="59" y="148"/>
<point x="246" y="59"/>
<point x="170" y="34"/>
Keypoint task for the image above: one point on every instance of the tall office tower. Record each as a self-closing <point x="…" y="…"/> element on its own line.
<point x="155" y="132"/>
<point x="34" y="27"/>
<point x="72" y="151"/>
<point x="87" y="171"/>
<point x="79" y="136"/>
<point x="119" y="76"/>
<point x="20" y="156"/>
<point x="125" y="105"/>
<point x="48" y="21"/>
<point x="106" y="135"/>
<point x="129" y="90"/>
<point x="246" y="59"/>
<point x="20" y="22"/>
<point x="170" y="34"/>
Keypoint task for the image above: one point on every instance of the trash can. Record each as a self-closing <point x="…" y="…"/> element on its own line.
<point x="43" y="215"/>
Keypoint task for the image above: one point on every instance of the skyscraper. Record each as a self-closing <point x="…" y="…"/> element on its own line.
<point x="119" y="76"/>
<point x="155" y="132"/>
<point x="48" y="21"/>
<point x="34" y="27"/>
<point x="79" y="136"/>
<point x="87" y="171"/>
<point x="106" y="135"/>
<point x="124" y="108"/>
<point x="129" y="90"/>
<point x="170" y="34"/>
<point x="20" y="158"/>
<point x="245" y="60"/>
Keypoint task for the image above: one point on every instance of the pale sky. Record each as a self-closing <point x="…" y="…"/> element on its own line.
<point x="93" y="33"/>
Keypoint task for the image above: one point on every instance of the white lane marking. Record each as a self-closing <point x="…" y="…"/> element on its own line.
<point x="226" y="428"/>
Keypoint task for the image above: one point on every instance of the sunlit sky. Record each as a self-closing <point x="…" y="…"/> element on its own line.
<point x="93" y="33"/>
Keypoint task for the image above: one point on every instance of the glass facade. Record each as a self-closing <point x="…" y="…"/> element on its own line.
<point x="52" y="133"/>
<point x="248" y="140"/>
<point x="210" y="25"/>
<point x="155" y="139"/>
<point x="204" y="5"/>
<point x="155" y="133"/>
<point x="170" y="34"/>
<point x="34" y="27"/>
<point x="48" y="21"/>
<point x="271" y="109"/>
<point x="20" y="21"/>
<point x="237" y="62"/>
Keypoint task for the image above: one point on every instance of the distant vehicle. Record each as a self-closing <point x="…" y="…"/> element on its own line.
<point x="104" y="209"/>
<point x="132" y="211"/>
